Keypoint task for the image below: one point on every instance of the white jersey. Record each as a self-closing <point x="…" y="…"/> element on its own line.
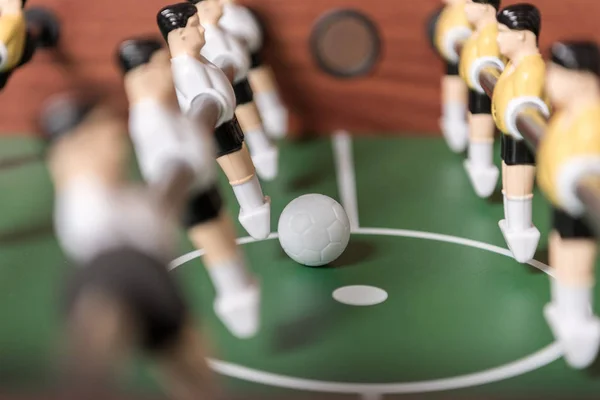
<point x="241" y="23"/>
<point x="91" y="218"/>
<point x="223" y="49"/>
<point x="163" y="136"/>
<point x="193" y="78"/>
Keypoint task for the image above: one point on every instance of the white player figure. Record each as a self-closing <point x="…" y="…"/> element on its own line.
<point x="194" y="76"/>
<point x="163" y="138"/>
<point x="229" y="54"/>
<point x="242" y="24"/>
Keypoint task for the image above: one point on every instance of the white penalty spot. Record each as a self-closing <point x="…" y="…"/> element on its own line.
<point x="360" y="295"/>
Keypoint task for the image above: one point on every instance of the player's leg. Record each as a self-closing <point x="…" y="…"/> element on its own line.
<point x="518" y="175"/>
<point x="238" y="295"/>
<point x="573" y="251"/>
<point x="184" y="369"/>
<point x="454" y="109"/>
<point x="235" y="161"/>
<point x="264" y="154"/>
<point x="273" y="112"/>
<point x="480" y="162"/>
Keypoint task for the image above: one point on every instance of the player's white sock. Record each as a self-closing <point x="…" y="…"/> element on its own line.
<point x="273" y="113"/>
<point x="249" y="194"/>
<point x="265" y="155"/>
<point x="481" y="154"/>
<point x="255" y="213"/>
<point x="573" y="302"/>
<point x="229" y="277"/>
<point x="454" y="111"/>
<point x="518" y="212"/>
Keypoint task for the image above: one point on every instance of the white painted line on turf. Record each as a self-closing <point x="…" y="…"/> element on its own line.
<point x="530" y="363"/>
<point x="360" y="295"/>
<point x="346" y="177"/>
<point x="527" y="364"/>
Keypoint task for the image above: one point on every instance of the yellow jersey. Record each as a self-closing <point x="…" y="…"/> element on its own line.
<point x="567" y="136"/>
<point x="481" y="44"/>
<point x="453" y="16"/>
<point x="525" y="79"/>
<point x="13" y="32"/>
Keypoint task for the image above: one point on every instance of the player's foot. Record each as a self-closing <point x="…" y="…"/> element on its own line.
<point x="275" y="121"/>
<point x="257" y="221"/>
<point x="483" y="178"/>
<point x="456" y="134"/>
<point x="522" y="244"/>
<point x="266" y="163"/>
<point x="580" y="339"/>
<point x="240" y="312"/>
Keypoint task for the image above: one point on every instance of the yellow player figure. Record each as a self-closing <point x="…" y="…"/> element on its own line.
<point x="480" y="51"/>
<point x="452" y="28"/>
<point x="521" y="84"/>
<point x="568" y="153"/>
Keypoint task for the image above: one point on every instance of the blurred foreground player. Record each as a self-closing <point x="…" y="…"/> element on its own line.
<point x="451" y="29"/>
<point x="481" y="50"/>
<point x="570" y="151"/>
<point x="122" y="296"/>
<point x="21" y="33"/>
<point x="195" y="76"/>
<point x="164" y="138"/>
<point x="521" y="84"/>
<point x="240" y="22"/>
<point x="227" y="52"/>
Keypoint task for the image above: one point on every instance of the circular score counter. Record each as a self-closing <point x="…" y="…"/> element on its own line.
<point x="436" y="331"/>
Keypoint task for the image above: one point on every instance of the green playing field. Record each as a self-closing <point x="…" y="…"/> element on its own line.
<point x="461" y="318"/>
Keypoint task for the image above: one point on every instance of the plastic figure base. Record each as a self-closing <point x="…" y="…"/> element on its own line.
<point x="580" y="339"/>
<point x="483" y="179"/>
<point x="266" y="163"/>
<point x="522" y="244"/>
<point x="456" y="134"/>
<point x="240" y="311"/>
<point x="257" y="222"/>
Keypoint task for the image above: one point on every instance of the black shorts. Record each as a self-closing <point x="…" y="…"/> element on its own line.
<point x="143" y="285"/>
<point x="256" y="60"/>
<point x="203" y="206"/>
<point x="516" y="152"/>
<point x="229" y="137"/>
<point x="451" y="69"/>
<point x="243" y="92"/>
<point x="479" y="103"/>
<point x="569" y="227"/>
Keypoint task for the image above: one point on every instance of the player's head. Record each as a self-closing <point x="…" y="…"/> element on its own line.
<point x="88" y="139"/>
<point x="134" y="53"/>
<point x="63" y="114"/>
<point x="518" y="26"/>
<point x="573" y="71"/>
<point x="147" y="69"/>
<point x="479" y="10"/>
<point x="11" y="6"/>
<point x="180" y="27"/>
<point x="209" y="11"/>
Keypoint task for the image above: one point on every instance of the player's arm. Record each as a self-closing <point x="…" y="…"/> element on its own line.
<point x="528" y="86"/>
<point x="582" y="159"/>
<point x="226" y="52"/>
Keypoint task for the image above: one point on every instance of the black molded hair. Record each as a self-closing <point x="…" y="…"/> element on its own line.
<point x="174" y="17"/>
<point x="133" y="53"/>
<point x="493" y="3"/>
<point x="64" y="113"/>
<point x="577" y="56"/>
<point x="521" y="17"/>
<point x="195" y="1"/>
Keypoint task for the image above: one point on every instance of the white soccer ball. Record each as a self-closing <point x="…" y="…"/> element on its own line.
<point x="314" y="230"/>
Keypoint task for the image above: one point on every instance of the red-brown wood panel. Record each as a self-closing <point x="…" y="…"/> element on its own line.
<point x="402" y="94"/>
